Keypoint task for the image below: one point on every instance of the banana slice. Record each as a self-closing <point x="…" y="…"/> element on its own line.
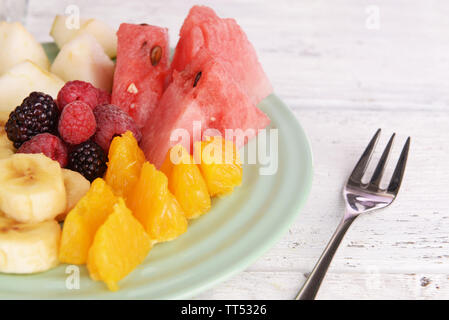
<point x="31" y="188"/>
<point x="76" y="186"/>
<point x="6" y="146"/>
<point x="28" y="248"/>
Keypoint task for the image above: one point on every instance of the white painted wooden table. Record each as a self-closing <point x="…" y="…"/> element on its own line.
<point x="344" y="73"/>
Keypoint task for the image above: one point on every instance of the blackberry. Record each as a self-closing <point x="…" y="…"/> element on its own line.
<point x="89" y="159"/>
<point x="38" y="113"/>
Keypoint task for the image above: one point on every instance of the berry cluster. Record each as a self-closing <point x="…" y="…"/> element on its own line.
<point x="76" y="130"/>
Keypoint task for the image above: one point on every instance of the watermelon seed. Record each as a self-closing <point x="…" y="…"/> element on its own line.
<point x="156" y="54"/>
<point x="132" y="88"/>
<point x="197" y="78"/>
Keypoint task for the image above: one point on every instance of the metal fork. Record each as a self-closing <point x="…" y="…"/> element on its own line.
<point x="359" y="198"/>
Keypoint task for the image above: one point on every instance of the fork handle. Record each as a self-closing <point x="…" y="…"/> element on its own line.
<point x="313" y="283"/>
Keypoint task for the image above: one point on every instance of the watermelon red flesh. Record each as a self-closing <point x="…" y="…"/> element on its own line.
<point x="216" y="101"/>
<point x="226" y="42"/>
<point x="138" y="85"/>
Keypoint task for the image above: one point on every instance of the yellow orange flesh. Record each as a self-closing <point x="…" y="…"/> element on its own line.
<point x="125" y="162"/>
<point x="220" y="165"/>
<point x="155" y="207"/>
<point x="119" y="246"/>
<point x="186" y="182"/>
<point x="83" y="221"/>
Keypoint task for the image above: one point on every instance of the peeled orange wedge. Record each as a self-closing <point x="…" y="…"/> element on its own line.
<point x="155" y="207"/>
<point x="220" y="165"/>
<point x="186" y="182"/>
<point x="83" y="221"/>
<point x="125" y="162"/>
<point x="119" y="246"/>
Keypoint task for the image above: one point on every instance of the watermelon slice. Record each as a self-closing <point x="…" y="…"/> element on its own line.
<point x="203" y="92"/>
<point x="142" y="69"/>
<point x="226" y="42"/>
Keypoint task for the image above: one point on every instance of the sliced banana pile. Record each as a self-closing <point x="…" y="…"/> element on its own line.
<point x="28" y="247"/>
<point x="35" y="193"/>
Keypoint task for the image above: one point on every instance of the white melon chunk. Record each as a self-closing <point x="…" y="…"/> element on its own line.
<point x="18" y="45"/>
<point x="104" y="34"/>
<point x="84" y="59"/>
<point x="63" y="33"/>
<point x="18" y="82"/>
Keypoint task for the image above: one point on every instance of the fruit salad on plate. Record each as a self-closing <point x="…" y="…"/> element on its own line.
<point x="93" y="169"/>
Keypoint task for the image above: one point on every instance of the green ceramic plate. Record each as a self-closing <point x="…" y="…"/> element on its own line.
<point x="237" y="230"/>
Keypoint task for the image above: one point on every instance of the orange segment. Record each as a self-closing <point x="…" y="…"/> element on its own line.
<point x="155" y="207"/>
<point x="83" y="220"/>
<point x="120" y="245"/>
<point x="186" y="182"/>
<point x="125" y="162"/>
<point x="220" y="164"/>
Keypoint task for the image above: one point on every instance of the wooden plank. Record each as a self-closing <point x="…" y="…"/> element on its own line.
<point x="285" y="285"/>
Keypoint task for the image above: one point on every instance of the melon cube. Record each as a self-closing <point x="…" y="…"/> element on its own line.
<point x="105" y="35"/>
<point x="19" y="81"/>
<point x="18" y="45"/>
<point x="61" y="32"/>
<point x="84" y="59"/>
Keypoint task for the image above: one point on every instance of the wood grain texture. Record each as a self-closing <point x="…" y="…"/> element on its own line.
<point x="343" y="79"/>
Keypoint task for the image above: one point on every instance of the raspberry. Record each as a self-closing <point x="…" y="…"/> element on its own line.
<point x="77" y="123"/>
<point x="38" y="113"/>
<point x="88" y="159"/>
<point x="103" y="97"/>
<point x="79" y="91"/>
<point x="49" y="145"/>
<point x="113" y="121"/>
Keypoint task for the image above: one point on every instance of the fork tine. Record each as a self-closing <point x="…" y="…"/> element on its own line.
<point x="398" y="173"/>
<point x="379" y="171"/>
<point x="362" y="164"/>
